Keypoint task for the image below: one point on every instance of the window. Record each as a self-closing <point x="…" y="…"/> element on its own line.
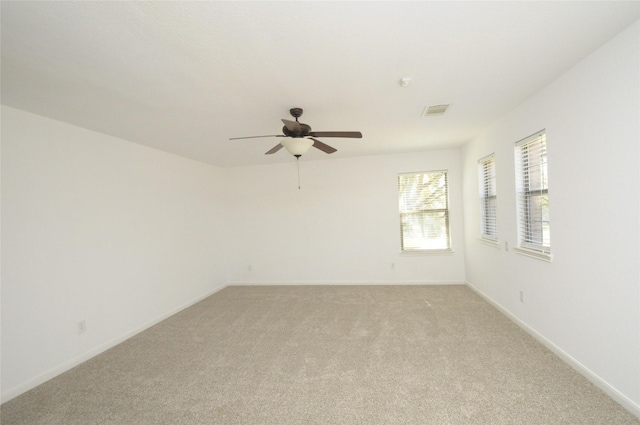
<point x="424" y="211"/>
<point x="532" y="187"/>
<point x="488" y="199"/>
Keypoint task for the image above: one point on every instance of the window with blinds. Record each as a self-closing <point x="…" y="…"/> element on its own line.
<point x="424" y="211"/>
<point x="532" y="189"/>
<point x="488" y="198"/>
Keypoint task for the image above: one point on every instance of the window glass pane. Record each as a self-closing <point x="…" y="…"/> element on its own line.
<point x="425" y="230"/>
<point x="489" y="228"/>
<point x="423" y="191"/>
<point x="488" y="198"/>
<point x="424" y="215"/>
<point x="532" y="186"/>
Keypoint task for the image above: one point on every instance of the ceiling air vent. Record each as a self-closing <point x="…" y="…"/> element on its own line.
<point x="434" y="110"/>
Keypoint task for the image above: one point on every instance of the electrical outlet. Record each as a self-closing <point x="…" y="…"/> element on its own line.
<point x="506" y="246"/>
<point x="249" y="268"/>
<point x="393" y="266"/>
<point x="82" y="326"/>
<point x="522" y="296"/>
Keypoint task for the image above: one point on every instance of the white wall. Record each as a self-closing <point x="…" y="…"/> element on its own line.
<point x="342" y="226"/>
<point x="98" y="229"/>
<point x="585" y="304"/>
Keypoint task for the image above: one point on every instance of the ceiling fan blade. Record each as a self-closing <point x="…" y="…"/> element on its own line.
<point x="322" y="146"/>
<point x="255" y="137"/>
<point x="274" y="149"/>
<point x="348" y="134"/>
<point x="293" y="126"/>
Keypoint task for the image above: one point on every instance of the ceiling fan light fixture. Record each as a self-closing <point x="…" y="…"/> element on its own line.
<point x="296" y="146"/>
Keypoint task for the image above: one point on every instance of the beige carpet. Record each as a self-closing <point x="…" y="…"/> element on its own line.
<point x="324" y="355"/>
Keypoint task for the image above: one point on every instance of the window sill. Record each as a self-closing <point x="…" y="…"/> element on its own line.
<point x="421" y="252"/>
<point x="490" y="242"/>
<point x="544" y="256"/>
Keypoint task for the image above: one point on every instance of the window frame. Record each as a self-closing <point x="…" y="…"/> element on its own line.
<point x="532" y="196"/>
<point x="487" y="187"/>
<point x="445" y="211"/>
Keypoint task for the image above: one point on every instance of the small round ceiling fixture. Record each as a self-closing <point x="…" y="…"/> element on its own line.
<point x="404" y="82"/>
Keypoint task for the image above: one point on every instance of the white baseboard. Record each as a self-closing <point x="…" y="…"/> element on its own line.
<point x="612" y="392"/>
<point x="58" y="370"/>
<point x="345" y="283"/>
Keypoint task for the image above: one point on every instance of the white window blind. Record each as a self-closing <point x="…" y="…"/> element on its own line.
<point x="488" y="198"/>
<point x="532" y="187"/>
<point x="424" y="211"/>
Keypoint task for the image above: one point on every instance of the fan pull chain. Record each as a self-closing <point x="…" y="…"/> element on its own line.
<point x="298" y="163"/>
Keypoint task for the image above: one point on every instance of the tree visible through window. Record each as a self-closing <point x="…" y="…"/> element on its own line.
<point x="532" y="186"/>
<point x="424" y="211"/>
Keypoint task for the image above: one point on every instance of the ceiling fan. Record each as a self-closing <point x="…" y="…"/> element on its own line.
<point x="298" y="137"/>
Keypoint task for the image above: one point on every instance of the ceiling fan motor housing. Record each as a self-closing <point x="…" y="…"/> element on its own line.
<point x="304" y="131"/>
<point x="304" y="128"/>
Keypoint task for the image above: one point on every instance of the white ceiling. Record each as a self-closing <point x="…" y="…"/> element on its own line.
<point x="184" y="77"/>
